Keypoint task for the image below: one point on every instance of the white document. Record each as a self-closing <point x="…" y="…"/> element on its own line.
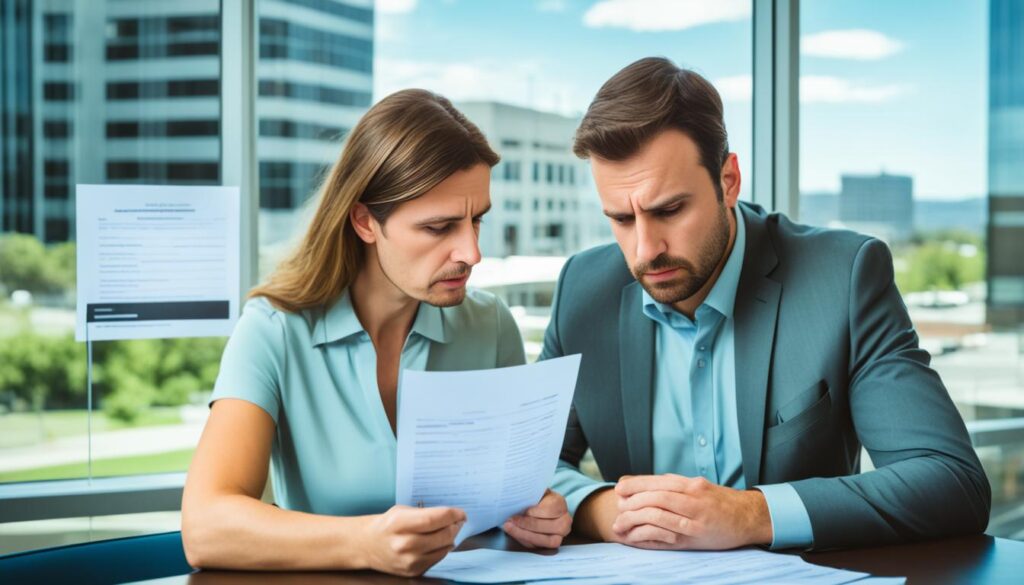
<point x="615" y="564"/>
<point x="485" y="441"/>
<point x="156" y="261"/>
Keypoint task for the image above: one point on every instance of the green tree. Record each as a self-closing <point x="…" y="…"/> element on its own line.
<point x="42" y="371"/>
<point x="24" y="265"/>
<point x="941" y="265"/>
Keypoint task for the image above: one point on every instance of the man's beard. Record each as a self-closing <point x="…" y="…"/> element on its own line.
<point x="693" y="278"/>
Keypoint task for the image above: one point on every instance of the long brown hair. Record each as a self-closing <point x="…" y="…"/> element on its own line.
<point x="401" y="148"/>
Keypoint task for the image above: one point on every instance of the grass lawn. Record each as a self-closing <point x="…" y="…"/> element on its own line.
<point x="22" y="429"/>
<point x="154" y="463"/>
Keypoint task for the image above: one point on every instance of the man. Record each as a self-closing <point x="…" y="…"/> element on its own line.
<point x="734" y="362"/>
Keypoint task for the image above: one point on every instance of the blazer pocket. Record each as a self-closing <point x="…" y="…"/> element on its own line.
<point x="801" y="402"/>
<point x="799" y="423"/>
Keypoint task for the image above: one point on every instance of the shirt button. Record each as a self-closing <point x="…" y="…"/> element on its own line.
<point x="703" y="442"/>
<point x="703" y="470"/>
<point x="703" y="348"/>
<point x="700" y="363"/>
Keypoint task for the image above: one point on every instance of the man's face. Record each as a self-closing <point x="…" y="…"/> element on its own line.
<point x="429" y="245"/>
<point x="666" y="215"/>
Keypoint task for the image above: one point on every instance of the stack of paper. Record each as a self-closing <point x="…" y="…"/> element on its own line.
<point x="485" y="441"/>
<point x="614" y="564"/>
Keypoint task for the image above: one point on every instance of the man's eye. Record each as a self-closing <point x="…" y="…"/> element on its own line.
<point x="667" y="212"/>
<point x="437" y="231"/>
<point x="623" y="220"/>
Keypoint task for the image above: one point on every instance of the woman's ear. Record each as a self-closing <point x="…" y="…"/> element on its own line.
<point x="363" y="222"/>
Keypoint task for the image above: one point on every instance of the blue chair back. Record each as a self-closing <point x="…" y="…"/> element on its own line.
<point x="98" y="563"/>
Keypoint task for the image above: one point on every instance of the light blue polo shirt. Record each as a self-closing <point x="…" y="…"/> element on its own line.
<point x="315" y="374"/>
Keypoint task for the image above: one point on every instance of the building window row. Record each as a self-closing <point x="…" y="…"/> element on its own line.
<point x="356" y="13"/>
<point x="280" y="39"/>
<point x="159" y="37"/>
<point x="279" y="128"/>
<point x="56" y="52"/>
<point x="191" y="172"/>
<point x="315" y="93"/>
<point x="172" y="28"/>
<point x="554" y="174"/>
<point x="133" y="90"/>
<point x="56" y="129"/>
<point x="58" y="91"/>
<point x="162" y="128"/>
<point x="157" y="50"/>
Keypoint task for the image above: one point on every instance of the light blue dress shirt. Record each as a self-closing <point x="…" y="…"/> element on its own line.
<point x="694" y="422"/>
<point x="315" y="374"/>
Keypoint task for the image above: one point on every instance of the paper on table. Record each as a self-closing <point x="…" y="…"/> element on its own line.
<point x="485" y="441"/>
<point x="612" y="564"/>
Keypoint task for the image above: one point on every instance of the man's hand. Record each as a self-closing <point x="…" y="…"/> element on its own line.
<point x="543" y="525"/>
<point x="676" y="512"/>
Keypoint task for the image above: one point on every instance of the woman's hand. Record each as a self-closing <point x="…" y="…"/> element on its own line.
<point x="543" y="525"/>
<point x="407" y="541"/>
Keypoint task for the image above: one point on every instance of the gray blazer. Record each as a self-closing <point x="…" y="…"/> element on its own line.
<point x="827" y="360"/>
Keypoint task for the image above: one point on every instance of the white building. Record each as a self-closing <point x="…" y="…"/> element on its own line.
<point x="543" y="201"/>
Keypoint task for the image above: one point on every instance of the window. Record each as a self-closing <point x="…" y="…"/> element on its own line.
<point x="314" y="93"/>
<point x="127" y="111"/>
<point x="946" y="197"/>
<point x="145" y="107"/>
<point x="511" y="170"/>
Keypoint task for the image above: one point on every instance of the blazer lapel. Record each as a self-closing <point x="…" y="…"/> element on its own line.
<point x="636" y="368"/>
<point x="756" y="312"/>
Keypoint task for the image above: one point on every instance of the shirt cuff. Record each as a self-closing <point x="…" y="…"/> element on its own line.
<point x="791" y="525"/>
<point x="575" y="486"/>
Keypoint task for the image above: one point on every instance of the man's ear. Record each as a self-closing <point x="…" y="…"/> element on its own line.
<point x="730" y="180"/>
<point x="363" y="222"/>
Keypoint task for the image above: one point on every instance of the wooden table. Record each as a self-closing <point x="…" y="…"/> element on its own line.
<point x="974" y="559"/>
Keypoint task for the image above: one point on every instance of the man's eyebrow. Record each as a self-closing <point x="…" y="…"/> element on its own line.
<point x="448" y="218"/>
<point x="656" y="206"/>
<point x="668" y="202"/>
<point x="440" y="219"/>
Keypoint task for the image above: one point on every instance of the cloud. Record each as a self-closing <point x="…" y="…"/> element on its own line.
<point x="857" y="44"/>
<point x="736" y="88"/>
<point x="395" y="6"/>
<point x="816" y="89"/>
<point x="664" y="15"/>
<point x="837" y="90"/>
<point x="523" y="83"/>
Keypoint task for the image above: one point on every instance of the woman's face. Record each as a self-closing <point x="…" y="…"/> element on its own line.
<point x="428" y="246"/>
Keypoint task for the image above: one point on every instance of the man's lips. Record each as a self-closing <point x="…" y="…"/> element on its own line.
<point x="661" y="275"/>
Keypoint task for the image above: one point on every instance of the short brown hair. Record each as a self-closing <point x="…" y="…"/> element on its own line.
<point x="646" y="97"/>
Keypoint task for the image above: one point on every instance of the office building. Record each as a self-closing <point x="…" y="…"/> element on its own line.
<point x="543" y="201"/>
<point x="153" y="95"/>
<point x="881" y="205"/>
<point x="1005" y="305"/>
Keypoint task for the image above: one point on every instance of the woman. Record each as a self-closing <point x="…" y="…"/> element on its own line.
<point x="308" y="379"/>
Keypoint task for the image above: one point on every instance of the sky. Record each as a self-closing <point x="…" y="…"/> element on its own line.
<point x="899" y="87"/>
